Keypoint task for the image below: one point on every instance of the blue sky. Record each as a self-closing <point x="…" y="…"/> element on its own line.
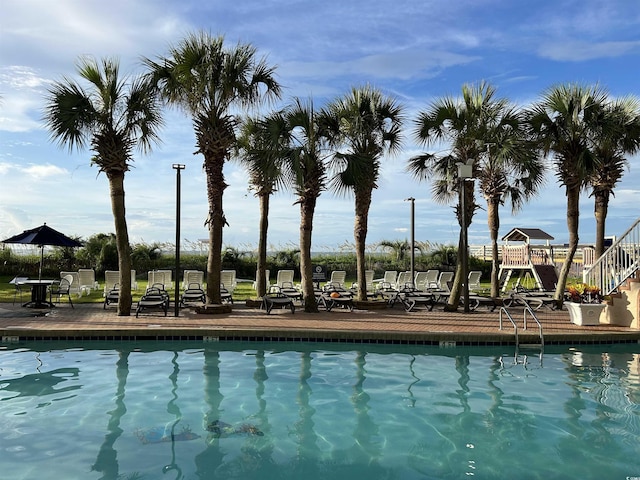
<point x="414" y="50"/>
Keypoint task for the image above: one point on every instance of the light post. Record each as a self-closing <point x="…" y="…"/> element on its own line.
<point x="177" y="167"/>
<point x="465" y="171"/>
<point x="413" y="235"/>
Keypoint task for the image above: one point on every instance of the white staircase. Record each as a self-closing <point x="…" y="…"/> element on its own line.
<point x="618" y="263"/>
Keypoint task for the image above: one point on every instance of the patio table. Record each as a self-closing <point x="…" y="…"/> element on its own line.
<point x="38" y="293"/>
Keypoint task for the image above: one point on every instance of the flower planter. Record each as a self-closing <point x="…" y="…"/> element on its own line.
<point x="585" y="313"/>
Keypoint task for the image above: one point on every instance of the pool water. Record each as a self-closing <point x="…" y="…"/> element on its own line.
<point x="317" y="411"/>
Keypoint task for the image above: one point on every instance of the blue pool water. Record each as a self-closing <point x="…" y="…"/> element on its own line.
<point x="316" y="411"/>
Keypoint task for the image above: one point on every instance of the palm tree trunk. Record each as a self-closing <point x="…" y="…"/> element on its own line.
<point x="601" y="209"/>
<point x="573" y="212"/>
<point x="261" y="284"/>
<point x="456" y="289"/>
<point x="216" y="222"/>
<point x="363" y="201"/>
<point x="116" y="187"/>
<point x="493" y="219"/>
<point x="307" y="209"/>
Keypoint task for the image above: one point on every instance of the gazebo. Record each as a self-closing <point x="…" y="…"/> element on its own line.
<point x="528" y="260"/>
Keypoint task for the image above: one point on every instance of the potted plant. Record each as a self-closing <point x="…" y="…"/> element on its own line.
<point x="584" y="304"/>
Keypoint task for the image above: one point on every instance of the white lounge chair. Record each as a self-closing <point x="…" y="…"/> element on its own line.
<point x="444" y="279"/>
<point x="338" y="277"/>
<point x="402" y="280"/>
<point x="267" y="279"/>
<point x="390" y="277"/>
<point x="192" y="276"/>
<point x="160" y="276"/>
<point x="432" y="278"/>
<point x="474" y="280"/>
<point x="111" y="280"/>
<point x="134" y="280"/>
<point x="87" y="280"/>
<point x="284" y="276"/>
<point x="420" y="281"/>
<point x="228" y="279"/>
<point x="368" y="278"/>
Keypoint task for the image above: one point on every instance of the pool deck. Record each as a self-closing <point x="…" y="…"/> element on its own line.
<point x="388" y="325"/>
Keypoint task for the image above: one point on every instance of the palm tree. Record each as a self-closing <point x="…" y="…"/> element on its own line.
<point x="617" y="136"/>
<point x="465" y="123"/>
<point x="114" y="115"/>
<point x="304" y="155"/>
<point x="564" y="121"/>
<point x="366" y="125"/>
<point x="509" y="169"/>
<point x="399" y="248"/>
<point x="264" y="165"/>
<point x="210" y="82"/>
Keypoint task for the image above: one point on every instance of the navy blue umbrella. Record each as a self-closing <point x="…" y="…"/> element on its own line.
<point x="41" y="236"/>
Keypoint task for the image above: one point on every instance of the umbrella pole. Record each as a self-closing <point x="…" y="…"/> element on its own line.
<point x="41" y="262"/>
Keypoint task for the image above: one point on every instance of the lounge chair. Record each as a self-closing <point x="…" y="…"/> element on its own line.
<point x="134" y="281"/>
<point x="368" y="277"/>
<point x="402" y="280"/>
<point x="163" y="277"/>
<point x="156" y="297"/>
<point x="192" y="276"/>
<point x="474" y="280"/>
<point x="387" y="291"/>
<point x="290" y="291"/>
<point x="284" y="276"/>
<point x="389" y="276"/>
<point x="228" y="278"/>
<point x="193" y="294"/>
<point x="267" y="279"/>
<point x="338" y="277"/>
<point x="226" y="295"/>
<point x="443" y="280"/>
<point x="62" y="289"/>
<point x="87" y="280"/>
<point x="410" y="297"/>
<point x="111" y="296"/>
<point x="432" y="278"/>
<point x="335" y="295"/>
<point x="426" y="280"/>
<point x="275" y="298"/>
<point x="535" y="299"/>
<point x="111" y="280"/>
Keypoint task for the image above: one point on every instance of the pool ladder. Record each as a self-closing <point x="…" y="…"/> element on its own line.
<point x="526" y="311"/>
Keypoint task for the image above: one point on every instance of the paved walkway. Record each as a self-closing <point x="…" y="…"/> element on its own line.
<point x="389" y="325"/>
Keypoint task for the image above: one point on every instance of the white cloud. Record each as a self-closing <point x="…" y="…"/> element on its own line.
<point x="577" y="51"/>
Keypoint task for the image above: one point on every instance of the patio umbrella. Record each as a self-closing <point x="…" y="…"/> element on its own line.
<point x="41" y="236"/>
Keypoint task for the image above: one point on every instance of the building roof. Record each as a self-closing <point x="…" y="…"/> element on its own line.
<point x="526" y="234"/>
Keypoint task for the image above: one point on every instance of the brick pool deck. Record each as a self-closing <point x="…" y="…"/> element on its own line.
<point x="388" y="325"/>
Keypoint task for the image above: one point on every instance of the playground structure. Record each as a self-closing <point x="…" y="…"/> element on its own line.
<point x="533" y="264"/>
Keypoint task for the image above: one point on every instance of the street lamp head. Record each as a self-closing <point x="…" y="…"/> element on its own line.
<point x="465" y="170"/>
<point x="410" y="199"/>
<point x="178" y="166"/>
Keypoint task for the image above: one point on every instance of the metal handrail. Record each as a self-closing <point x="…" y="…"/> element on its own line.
<point x="515" y="327"/>
<point x="619" y="262"/>
<point x="527" y="308"/>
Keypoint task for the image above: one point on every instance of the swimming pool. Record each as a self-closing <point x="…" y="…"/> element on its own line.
<point x="155" y="410"/>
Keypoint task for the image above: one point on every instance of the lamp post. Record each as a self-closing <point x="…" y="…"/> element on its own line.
<point x="413" y="236"/>
<point x="465" y="171"/>
<point x="177" y="167"/>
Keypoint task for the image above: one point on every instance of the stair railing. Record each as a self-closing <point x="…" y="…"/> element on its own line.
<point x="618" y="263"/>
